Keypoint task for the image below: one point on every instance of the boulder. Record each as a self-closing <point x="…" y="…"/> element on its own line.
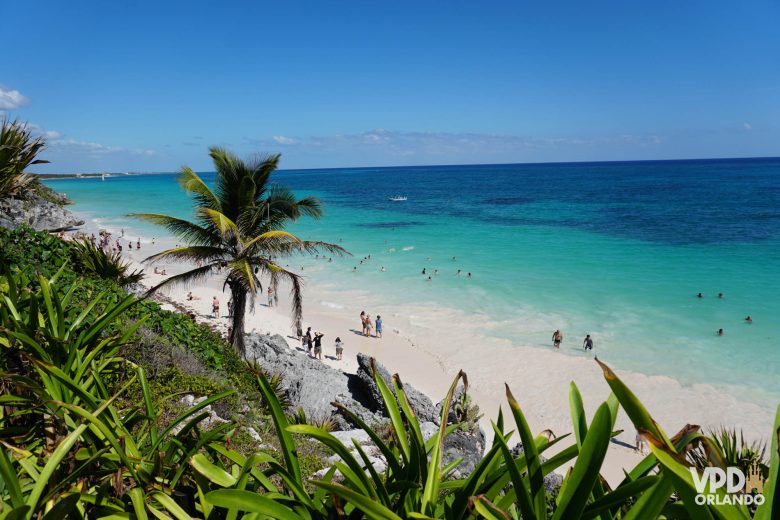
<point x="309" y="384"/>
<point x="38" y="213"/>
<point x="552" y="481"/>
<point x="420" y="403"/>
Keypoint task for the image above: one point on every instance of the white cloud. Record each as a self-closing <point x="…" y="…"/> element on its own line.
<point x="10" y="99"/>
<point x="747" y="126"/>
<point x="281" y="139"/>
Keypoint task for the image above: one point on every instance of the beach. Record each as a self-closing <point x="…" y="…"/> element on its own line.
<point x="429" y="355"/>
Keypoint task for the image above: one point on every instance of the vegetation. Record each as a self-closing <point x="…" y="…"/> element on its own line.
<point x="91" y="428"/>
<point x="239" y="227"/>
<point x="105" y="264"/>
<point x="18" y="150"/>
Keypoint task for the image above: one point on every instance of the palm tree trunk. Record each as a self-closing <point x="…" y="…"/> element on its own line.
<point x="239" y="310"/>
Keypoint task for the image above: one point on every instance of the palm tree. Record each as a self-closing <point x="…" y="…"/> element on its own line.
<point x="238" y="230"/>
<point x="18" y="150"/>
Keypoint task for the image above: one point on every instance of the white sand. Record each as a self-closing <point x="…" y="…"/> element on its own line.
<point x="429" y="355"/>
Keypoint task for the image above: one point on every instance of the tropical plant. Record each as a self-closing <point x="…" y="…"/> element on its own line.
<point x="18" y="150"/>
<point x="239" y="228"/>
<point x="109" y="265"/>
<point x="67" y="447"/>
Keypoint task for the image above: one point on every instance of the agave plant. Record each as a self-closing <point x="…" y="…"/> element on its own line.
<point x="108" y="265"/>
<point x="67" y="447"/>
<point x="18" y="150"/>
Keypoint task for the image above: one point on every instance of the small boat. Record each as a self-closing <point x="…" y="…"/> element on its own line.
<point x="397" y="198"/>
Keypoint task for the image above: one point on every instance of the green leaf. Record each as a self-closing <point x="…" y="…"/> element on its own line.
<point x="373" y="509"/>
<point x="250" y="502"/>
<point x="214" y="473"/>
<point x="585" y="473"/>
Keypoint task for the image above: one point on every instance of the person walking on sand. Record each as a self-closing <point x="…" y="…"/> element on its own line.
<point x="587" y="343"/>
<point x="363" y="322"/>
<point x="378" y="326"/>
<point x="215" y="307"/>
<point x="369" y="326"/>
<point x="318" y="345"/>
<point x="557" y="338"/>
<point x="230" y="308"/>
<point x="305" y="337"/>
<point x="339" y="349"/>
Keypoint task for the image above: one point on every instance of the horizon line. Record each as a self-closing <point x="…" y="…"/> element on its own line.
<point x="442" y="165"/>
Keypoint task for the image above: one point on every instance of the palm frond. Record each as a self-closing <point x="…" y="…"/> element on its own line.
<point x="186" y="278"/>
<point x="184" y="229"/>
<point x="190" y="253"/>
<point x="193" y="184"/>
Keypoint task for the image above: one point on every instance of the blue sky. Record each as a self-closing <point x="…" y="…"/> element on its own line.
<point x="148" y="86"/>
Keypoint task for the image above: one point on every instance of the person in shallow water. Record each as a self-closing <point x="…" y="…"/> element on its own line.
<point x="587" y="343"/>
<point x="720" y="332"/>
<point x="700" y="295"/>
<point x="748" y="319"/>
<point x="557" y="338"/>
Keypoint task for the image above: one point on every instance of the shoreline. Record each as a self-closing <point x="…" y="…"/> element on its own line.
<point x="428" y="358"/>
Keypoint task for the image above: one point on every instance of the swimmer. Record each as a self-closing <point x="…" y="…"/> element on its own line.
<point x="429" y="279"/>
<point x="453" y="259"/>
<point x="435" y="271"/>
<point x="748" y="319"/>
<point x="720" y="332"/>
<point x="354" y="269"/>
<point x="469" y="275"/>
<point x="557" y="338"/>
<point x="458" y="272"/>
<point x="587" y="343"/>
<point x="383" y="269"/>
<point x="700" y="295"/>
<point x="423" y="271"/>
<point x="720" y="295"/>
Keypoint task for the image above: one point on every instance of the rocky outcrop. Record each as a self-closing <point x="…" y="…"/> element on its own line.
<point x="420" y="403"/>
<point x="311" y="385"/>
<point x="38" y="213"/>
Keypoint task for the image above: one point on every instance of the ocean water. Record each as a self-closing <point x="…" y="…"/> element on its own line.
<point x="615" y="250"/>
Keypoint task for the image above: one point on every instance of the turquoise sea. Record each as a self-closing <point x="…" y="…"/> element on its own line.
<point x="616" y="250"/>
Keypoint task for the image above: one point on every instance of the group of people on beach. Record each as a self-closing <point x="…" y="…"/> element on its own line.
<point x="312" y="341"/>
<point x="557" y="339"/>
<point x="720" y="332"/>
<point x="367" y="325"/>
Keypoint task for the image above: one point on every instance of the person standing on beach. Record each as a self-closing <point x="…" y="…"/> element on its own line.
<point x="557" y="338"/>
<point x="368" y="325"/>
<point x="378" y="325"/>
<point x="230" y="308"/>
<point x="270" y="297"/>
<point x="339" y="349"/>
<point x="318" y="345"/>
<point x="138" y="244"/>
<point x="587" y="343"/>
<point x="363" y="322"/>
<point x="306" y="337"/>
<point x="215" y="307"/>
<point x="298" y="331"/>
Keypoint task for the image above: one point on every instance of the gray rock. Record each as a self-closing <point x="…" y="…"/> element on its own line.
<point x="309" y="384"/>
<point x="38" y="213"/>
<point x="420" y="403"/>
<point x="552" y="481"/>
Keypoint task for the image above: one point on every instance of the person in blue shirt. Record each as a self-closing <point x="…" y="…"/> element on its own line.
<point x="378" y="325"/>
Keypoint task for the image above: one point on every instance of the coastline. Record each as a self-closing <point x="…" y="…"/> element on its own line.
<point x="429" y="355"/>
